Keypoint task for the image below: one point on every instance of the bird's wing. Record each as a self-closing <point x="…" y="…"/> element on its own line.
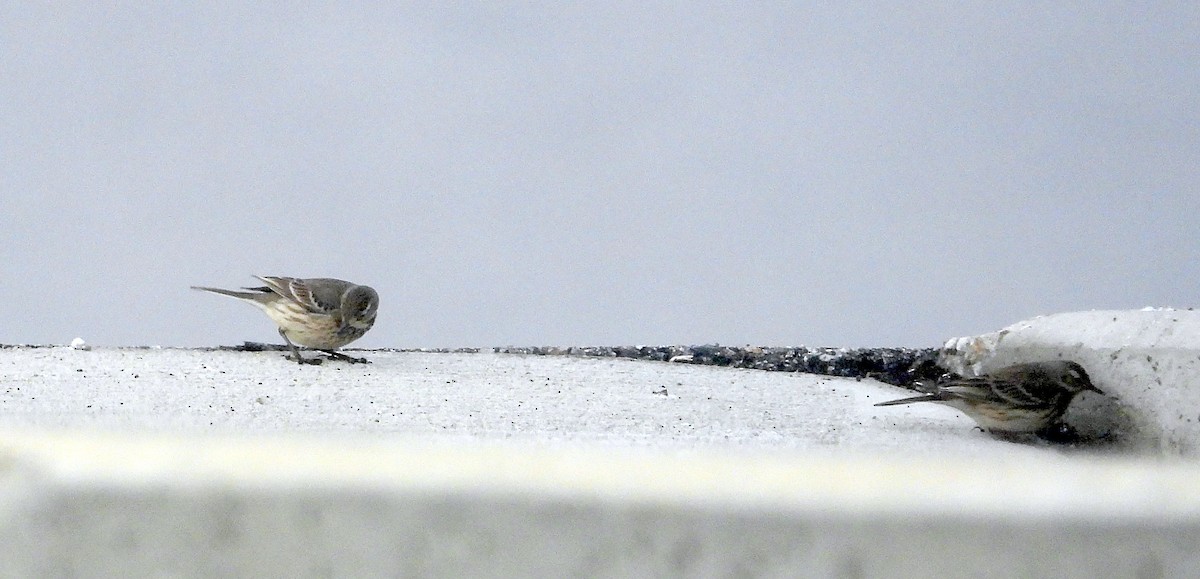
<point x="968" y="388"/>
<point x="296" y="290"/>
<point x="327" y="292"/>
<point x="994" y="388"/>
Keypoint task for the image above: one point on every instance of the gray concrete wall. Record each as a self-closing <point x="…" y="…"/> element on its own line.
<point x="90" y="505"/>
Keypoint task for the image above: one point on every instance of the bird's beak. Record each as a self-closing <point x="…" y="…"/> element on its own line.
<point x="1095" y="389"/>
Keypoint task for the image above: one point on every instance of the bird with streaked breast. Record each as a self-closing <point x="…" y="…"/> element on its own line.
<point x="319" y="313"/>
<point x="1022" y="398"/>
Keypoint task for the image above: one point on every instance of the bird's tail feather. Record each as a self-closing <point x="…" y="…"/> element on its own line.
<point x="247" y="295"/>
<point x="921" y="398"/>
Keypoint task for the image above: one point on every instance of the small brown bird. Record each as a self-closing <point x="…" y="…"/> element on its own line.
<point x="320" y="313"/>
<point x="1023" y="398"/>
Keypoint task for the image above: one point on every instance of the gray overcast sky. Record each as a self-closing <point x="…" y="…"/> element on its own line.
<point x="827" y="174"/>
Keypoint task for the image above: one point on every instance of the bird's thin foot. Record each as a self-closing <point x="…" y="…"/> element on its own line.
<point x="1060" y="433"/>
<point x="302" y="360"/>
<point x="1014" y="437"/>
<point x="1055" y="434"/>
<point x="344" y="358"/>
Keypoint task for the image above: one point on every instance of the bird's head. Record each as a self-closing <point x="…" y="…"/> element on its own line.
<point x="1075" y="378"/>
<point x="359" y="305"/>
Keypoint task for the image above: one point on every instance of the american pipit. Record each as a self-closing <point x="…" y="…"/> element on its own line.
<point x="319" y="313"/>
<point x="1023" y="398"/>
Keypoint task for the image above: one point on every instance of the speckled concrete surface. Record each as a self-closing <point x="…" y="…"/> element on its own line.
<point x="546" y="399"/>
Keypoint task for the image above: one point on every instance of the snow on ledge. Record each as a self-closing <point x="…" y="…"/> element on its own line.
<point x="1147" y="361"/>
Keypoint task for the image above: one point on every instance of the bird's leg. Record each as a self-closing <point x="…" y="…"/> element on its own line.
<point x="340" y="356"/>
<point x="296" y="351"/>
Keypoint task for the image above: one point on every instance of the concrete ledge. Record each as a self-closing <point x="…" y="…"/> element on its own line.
<point x="108" y="505"/>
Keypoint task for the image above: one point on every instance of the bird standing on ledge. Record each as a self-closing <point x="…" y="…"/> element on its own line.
<point x="319" y="313"/>
<point x="1018" y="399"/>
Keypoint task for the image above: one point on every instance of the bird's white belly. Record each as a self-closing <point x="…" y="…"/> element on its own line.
<point x="305" y="328"/>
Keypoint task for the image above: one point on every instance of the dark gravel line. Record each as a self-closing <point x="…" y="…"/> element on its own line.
<point x="899" y="366"/>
